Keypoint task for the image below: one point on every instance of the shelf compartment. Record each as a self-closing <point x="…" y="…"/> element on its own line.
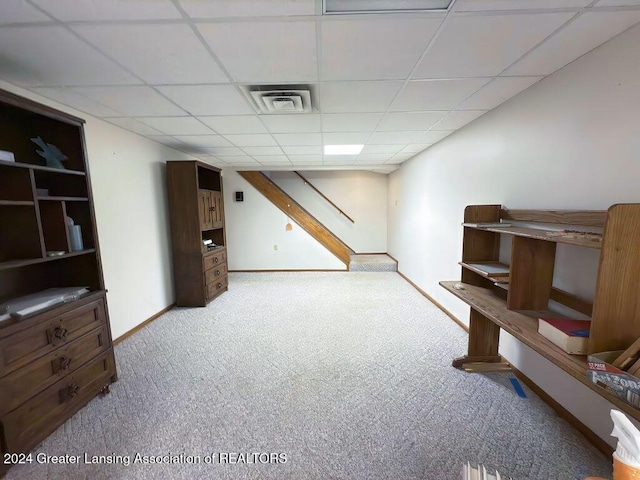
<point x="524" y="326"/>
<point x="15" y="185"/>
<point x="54" y="230"/>
<point x="80" y="212"/>
<point x="61" y="185"/>
<point x="19" y="233"/>
<point x="497" y="272"/>
<point x="7" y="265"/>
<point x="42" y="168"/>
<point x="541" y="234"/>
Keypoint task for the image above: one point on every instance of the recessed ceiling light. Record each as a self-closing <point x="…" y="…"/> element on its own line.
<point x="381" y="6"/>
<point x="342" y="149"/>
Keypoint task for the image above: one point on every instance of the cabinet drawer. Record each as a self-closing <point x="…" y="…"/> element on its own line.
<point x="216" y="287"/>
<point x="26" y="382"/>
<point x="46" y="336"/>
<point x="42" y="414"/>
<point x="215" y="259"/>
<point x="215" y="273"/>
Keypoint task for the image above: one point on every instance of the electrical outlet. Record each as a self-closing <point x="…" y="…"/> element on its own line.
<point x="275" y="247"/>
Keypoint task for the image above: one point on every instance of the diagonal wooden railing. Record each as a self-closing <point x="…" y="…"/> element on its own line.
<point x="294" y="210"/>
<point x="307" y="182"/>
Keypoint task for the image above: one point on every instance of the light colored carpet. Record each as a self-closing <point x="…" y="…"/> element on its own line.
<point x="347" y="374"/>
<point x="372" y="263"/>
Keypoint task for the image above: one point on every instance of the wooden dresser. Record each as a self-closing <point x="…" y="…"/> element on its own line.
<point x="53" y="360"/>
<point x="196" y="209"/>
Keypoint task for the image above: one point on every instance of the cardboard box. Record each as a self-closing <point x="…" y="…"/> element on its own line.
<point x="615" y="381"/>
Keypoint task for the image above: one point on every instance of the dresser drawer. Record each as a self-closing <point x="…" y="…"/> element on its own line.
<point x="40" y="337"/>
<point x="26" y="382"/>
<point x="41" y="415"/>
<point x="213" y="274"/>
<point x="216" y="287"/>
<point x="215" y="259"/>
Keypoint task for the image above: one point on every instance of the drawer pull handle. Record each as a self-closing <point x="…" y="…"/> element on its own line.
<point x="69" y="392"/>
<point x="217" y="272"/>
<point x="58" y="335"/>
<point x="65" y="362"/>
<point x="219" y="285"/>
<point x="215" y="260"/>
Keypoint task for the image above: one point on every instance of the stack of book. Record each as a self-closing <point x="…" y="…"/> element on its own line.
<point x="571" y="335"/>
<point x="479" y="473"/>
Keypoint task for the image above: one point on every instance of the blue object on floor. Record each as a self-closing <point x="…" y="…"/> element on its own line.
<point x="518" y="388"/>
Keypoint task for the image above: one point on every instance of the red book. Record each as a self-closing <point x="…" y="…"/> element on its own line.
<point x="569" y="334"/>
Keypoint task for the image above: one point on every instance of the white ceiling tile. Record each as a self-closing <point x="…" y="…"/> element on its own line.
<point x="223" y="152"/>
<point x="231" y="159"/>
<point x="298" y="138"/>
<point x="497" y="91"/>
<point x="436" y="94"/>
<point x="409" y="121"/>
<point x="176" y="125"/>
<point x="69" y="97"/>
<point x="286" y="50"/>
<point x="156" y="53"/>
<point x="476" y="46"/>
<point x="234" y="124"/>
<point x="432" y="137"/>
<point x="380" y="149"/>
<point x="484" y="5"/>
<point x="204" y="140"/>
<point x="205" y="100"/>
<point x="69" y="10"/>
<point x="134" y="125"/>
<point x="262" y="150"/>
<point x="579" y="37"/>
<point x="295" y="159"/>
<point x="350" y="122"/>
<point x="272" y="159"/>
<point x="352" y="138"/>
<point x="338" y="159"/>
<point x="401" y="157"/>
<point x="374" y="157"/>
<point x="456" y="120"/>
<point x="352" y="97"/>
<point x="618" y="3"/>
<point x="251" y="140"/>
<point x="414" y="148"/>
<point x="373" y="49"/>
<point x="245" y="8"/>
<point x="19" y="11"/>
<point x="303" y="150"/>
<point x="51" y="55"/>
<point x="292" y="123"/>
<point x="136" y="100"/>
<point x="390" y="138"/>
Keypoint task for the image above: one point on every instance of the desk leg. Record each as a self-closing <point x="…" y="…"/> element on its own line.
<point x="484" y="337"/>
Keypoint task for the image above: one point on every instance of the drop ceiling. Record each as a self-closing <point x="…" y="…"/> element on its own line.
<point x="175" y="71"/>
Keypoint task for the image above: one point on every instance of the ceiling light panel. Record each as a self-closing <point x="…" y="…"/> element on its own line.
<point x="380" y="6"/>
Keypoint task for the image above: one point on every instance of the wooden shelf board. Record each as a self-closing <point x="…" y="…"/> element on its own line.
<point x="23" y="203"/>
<point x="34" y="261"/>
<point x="541" y="234"/>
<point x="41" y="167"/>
<point x="476" y="267"/>
<point x="66" y="199"/>
<point x="523" y="325"/>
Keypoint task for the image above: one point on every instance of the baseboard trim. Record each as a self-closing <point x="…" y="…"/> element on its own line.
<point x="392" y="257"/>
<point x="277" y="271"/>
<point x="137" y="328"/>
<point x="594" y="439"/>
<point x="436" y="303"/>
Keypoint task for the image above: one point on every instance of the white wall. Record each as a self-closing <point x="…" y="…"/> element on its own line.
<point x="360" y="194"/>
<point x="569" y="142"/>
<point x="129" y="188"/>
<point x="255" y="227"/>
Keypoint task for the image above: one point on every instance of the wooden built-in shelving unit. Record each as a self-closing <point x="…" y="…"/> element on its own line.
<point x="516" y="306"/>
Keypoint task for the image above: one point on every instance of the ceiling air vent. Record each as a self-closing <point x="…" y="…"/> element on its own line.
<point x="270" y="99"/>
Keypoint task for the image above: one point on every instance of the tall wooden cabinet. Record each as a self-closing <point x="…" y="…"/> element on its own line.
<point x="54" y="359"/>
<point x="515" y="301"/>
<point x="197" y="217"/>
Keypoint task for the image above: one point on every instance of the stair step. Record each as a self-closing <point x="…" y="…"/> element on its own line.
<point x="373" y="263"/>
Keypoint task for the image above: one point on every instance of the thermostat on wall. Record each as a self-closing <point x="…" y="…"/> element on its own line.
<point x="239" y="196"/>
